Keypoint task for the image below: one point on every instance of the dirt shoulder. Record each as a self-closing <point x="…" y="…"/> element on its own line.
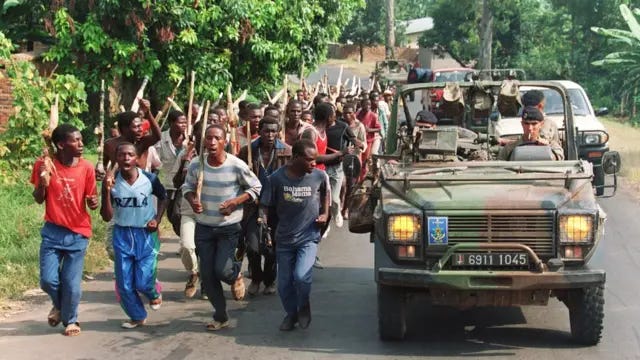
<point x="625" y="139"/>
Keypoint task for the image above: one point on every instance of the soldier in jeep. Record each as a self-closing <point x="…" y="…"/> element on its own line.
<point x="532" y="123"/>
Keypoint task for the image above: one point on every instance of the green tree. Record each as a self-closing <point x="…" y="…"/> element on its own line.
<point x="33" y="96"/>
<point x="626" y="58"/>
<point x="251" y="43"/>
<point x="367" y="27"/>
<point x="413" y="9"/>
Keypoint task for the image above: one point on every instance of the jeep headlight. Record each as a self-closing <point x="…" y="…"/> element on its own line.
<point x="576" y="228"/>
<point x="403" y="228"/>
<point x="594" y="137"/>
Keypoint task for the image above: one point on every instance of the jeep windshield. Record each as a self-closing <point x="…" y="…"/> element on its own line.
<point x="478" y="137"/>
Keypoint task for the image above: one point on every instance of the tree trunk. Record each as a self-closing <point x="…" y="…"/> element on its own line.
<point x="486" y="39"/>
<point x="361" y="48"/>
<point x="390" y="44"/>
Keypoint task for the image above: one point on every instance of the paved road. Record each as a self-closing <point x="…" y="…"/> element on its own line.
<point x="344" y="320"/>
<point x="344" y="316"/>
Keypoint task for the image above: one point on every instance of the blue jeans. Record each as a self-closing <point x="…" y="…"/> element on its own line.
<point x="295" y="265"/>
<point x="336" y="176"/>
<point x="61" y="262"/>
<point x="216" y="249"/>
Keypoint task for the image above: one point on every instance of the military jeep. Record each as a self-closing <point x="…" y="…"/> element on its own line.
<point x="469" y="231"/>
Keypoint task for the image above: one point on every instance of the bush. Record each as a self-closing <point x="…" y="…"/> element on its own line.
<point x="33" y="96"/>
<point x="20" y="222"/>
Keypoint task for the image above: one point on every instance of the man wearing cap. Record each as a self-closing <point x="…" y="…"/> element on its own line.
<point x="532" y="124"/>
<point x="425" y="119"/>
<point x="549" y="129"/>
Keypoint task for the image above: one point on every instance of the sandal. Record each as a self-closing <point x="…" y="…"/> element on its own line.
<point x="217" y="325"/>
<point x="54" y="317"/>
<point x="156" y="303"/>
<point x="72" y="330"/>
<point x="132" y="324"/>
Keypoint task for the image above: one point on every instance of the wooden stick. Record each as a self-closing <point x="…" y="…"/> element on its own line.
<point x="189" y="110"/>
<point x="139" y="95"/>
<point x="49" y="148"/>
<point x="277" y="97"/>
<point x="249" y="149"/>
<point x="339" y="82"/>
<point x="100" y="131"/>
<point x="174" y="105"/>
<point x="201" y="154"/>
<point x="199" y="117"/>
<point x="302" y="82"/>
<point x="325" y="82"/>
<point x="285" y="103"/>
<point x="239" y="99"/>
<point x="167" y="104"/>
<point x="233" y="121"/>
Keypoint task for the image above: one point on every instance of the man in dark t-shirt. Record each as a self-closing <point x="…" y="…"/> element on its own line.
<point x="339" y="136"/>
<point x="296" y="192"/>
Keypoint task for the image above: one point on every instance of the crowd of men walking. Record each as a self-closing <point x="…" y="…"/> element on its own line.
<point x="229" y="188"/>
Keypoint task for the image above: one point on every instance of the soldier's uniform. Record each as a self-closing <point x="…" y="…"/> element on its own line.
<point x="505" y="152"/>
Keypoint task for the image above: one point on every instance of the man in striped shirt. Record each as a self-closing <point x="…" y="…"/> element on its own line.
<point x="228" y="183"/>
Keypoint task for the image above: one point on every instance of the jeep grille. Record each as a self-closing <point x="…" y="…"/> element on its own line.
<point x="534" y="230"/>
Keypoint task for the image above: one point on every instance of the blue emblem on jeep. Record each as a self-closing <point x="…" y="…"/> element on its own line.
<point x="438" y="230"/>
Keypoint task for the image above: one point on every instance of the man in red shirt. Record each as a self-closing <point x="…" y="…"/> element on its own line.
<point x="371" y="124"/>
<point x="66" y="189"/>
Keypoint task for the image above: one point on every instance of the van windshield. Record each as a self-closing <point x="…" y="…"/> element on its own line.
<point x="553" y="102"/>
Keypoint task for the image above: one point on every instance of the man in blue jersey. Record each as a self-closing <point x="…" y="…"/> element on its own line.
<point x="297" y="192"/>
<point x="227" y="184"/>
<point x="126" y="198"/>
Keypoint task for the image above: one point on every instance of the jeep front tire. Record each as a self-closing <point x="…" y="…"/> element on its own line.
<point x="586" y="314"/>
<point x="391" y="313"/>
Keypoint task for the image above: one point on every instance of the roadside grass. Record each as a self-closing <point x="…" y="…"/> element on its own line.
<point x="625" y="138"/>
<point x="20" y="222"/>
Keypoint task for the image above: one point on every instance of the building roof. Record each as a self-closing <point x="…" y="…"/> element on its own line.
<point x="416" y="26"/>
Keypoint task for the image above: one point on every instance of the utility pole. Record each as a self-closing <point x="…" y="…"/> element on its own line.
<point x="486" y="37"/>
<point x="389" y="48"/>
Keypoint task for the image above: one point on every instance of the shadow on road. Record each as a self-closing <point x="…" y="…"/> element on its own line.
<point x="344" y="323"/>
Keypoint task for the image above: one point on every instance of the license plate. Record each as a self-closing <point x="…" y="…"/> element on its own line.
<point x="490" y="259"/>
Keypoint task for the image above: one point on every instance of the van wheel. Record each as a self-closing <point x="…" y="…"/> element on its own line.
<point x="586" y="314"/>
<point x="391" y="313"/>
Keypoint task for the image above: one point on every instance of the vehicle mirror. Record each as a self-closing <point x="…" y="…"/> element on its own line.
<point x="602" y="111"/>
<point x="611" y="162"/>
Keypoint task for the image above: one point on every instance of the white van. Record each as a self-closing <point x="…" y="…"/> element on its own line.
<point x="592" y="135"/>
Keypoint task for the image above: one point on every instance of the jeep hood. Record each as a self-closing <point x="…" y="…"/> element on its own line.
<point x="478" y="195"/>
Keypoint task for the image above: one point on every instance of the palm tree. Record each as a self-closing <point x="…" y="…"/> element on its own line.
<point x="627" y="60"/>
